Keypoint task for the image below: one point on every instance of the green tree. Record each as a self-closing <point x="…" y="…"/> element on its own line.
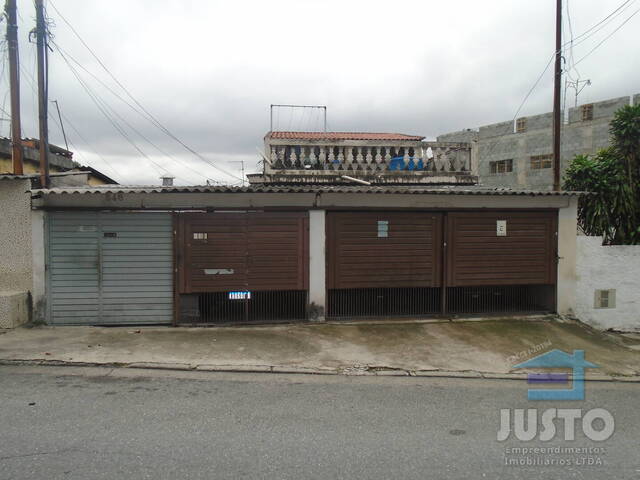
<point x="611" y="176"/>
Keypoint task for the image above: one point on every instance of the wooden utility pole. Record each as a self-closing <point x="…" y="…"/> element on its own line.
<point x="14" y="81"/>
<point x="41" y="36"/>
<point x="556" y="98"/>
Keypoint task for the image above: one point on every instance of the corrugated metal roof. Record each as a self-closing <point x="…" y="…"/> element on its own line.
<point x="10" y="176"/>
<point x="343" y="136"/>
<point x="364" y="189"/>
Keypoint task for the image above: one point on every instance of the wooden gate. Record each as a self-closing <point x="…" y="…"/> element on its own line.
<point x="242" y="266"/>
<point x="425" y="263"/>
<point x="384" y="263"/>
<point x="501" y="261"/>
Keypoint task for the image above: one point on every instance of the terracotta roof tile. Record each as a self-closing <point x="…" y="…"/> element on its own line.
<point x="343" y="136"/>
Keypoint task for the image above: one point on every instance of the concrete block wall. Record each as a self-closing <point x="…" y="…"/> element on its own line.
<point x="603" y="268"/>
<point x="495" y="130"/>
<point x="466" y="136"/>
<point x="537" y="122"/>
<point x="604" y="109"/>
<point x="499" y="141"/>
<point x="16" y="259"/>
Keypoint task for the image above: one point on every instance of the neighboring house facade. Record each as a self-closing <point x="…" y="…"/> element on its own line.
<point x="61" y="163"/>
<point x="519" y="154"/>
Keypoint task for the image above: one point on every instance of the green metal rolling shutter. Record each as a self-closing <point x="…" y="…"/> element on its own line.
<point x="110" y="268"/>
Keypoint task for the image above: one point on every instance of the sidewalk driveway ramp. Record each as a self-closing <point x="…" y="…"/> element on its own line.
<point x="463" y="348"/>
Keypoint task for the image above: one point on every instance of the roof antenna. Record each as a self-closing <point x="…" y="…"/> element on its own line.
<point x="285" y="105"/>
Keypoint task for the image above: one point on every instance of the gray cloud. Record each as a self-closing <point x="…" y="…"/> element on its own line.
<point x="209" y="70"/>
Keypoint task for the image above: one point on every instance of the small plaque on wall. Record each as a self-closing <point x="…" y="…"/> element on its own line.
<point x="501" y="228"/>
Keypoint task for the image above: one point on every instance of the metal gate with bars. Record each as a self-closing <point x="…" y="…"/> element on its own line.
<point x="107" y="268"/>
<point x="248" y="266"/>
<point x="426" y="263"/>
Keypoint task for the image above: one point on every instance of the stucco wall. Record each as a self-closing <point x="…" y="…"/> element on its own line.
<point x="603" y="268"/>
<point x="15" y="250"/>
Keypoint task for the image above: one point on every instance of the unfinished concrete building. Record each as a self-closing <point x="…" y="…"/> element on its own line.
<point x="519" y="154"/>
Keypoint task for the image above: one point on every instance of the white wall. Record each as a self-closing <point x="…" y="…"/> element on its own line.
<point x="567" y="228"/>
<point x="608" y="267"/>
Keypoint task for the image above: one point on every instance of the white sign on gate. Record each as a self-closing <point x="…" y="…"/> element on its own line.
<point x="501" y="228"/>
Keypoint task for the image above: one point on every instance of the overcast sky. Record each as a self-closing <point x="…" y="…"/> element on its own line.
<point x="208" y="71"/>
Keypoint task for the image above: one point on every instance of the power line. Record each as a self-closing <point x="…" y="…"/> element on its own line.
<point x="123" y="100"/>
<point x="604" y="21"/>
<point x="152" y="118"/>
<point x="115" y="124"/>
<point x="608" y="36"/>
<point x="32" y="83"/>
<point x="135" y="130"/>
<point x="583" y="36"/>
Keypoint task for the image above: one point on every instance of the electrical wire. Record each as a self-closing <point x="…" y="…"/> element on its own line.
<point x="151" y="117"/>
<point x="602" y="23"/>
<point x="123" y="120"/>
<point x="608" y="36"/>
<point x="582" y="37"/>
<point x="32" y="83"/>
<point x="159" y="168"/>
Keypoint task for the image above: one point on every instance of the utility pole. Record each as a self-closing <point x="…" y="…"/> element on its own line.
<point x="556" y="98"/>
<point x="41" y="36"/>
<point x="14" y="80"/>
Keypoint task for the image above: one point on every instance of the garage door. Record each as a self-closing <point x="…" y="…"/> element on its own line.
<point x="501" y="261"/>
<point x="383" y="263"/>
<point x="110" y="268"/>
<point x="243" y="266"/>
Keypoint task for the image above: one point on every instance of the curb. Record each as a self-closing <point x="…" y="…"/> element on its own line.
<point x="282" y="369"/>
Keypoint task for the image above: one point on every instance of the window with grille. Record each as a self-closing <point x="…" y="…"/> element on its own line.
<point x="501" y="166"/>
<point x="541" y="161"/>
<point x="521" y="125"/>
<point x="587" y="112"/>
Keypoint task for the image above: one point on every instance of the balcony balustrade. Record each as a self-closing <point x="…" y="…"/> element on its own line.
<point x="426" y="157"/>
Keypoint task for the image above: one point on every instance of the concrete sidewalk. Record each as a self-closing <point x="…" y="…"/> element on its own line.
<point x="486" y="348"/>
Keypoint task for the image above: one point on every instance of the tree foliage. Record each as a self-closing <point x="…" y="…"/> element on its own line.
<point x="612" y="177"/>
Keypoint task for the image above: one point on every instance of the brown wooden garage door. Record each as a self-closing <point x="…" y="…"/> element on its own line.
<point x="524" y="255"/>
<point x="221" y="252"/>
<point x="383" y="249"/>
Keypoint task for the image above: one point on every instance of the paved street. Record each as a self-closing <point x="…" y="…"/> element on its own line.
<point x="72" y="423"/>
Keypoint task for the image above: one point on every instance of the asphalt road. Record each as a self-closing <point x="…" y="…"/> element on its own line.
<point x="63" y="423"/>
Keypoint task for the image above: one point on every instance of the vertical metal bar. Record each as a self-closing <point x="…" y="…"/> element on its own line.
<point x="444" y="263"/>
<point x="325" y="119"/>
<point x="176" y="295"/>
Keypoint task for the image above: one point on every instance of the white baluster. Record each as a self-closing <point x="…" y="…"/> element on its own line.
<point x="322" y="156"/>
<point x="349" y="159"/>
<point x="359" y="157"/>
<point x="293" y="158"/>
<point x="369" y="157"/>
<point x="378" y="155"/>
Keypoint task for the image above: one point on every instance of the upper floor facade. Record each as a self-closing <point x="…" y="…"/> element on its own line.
<point x="363" y="157"/>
